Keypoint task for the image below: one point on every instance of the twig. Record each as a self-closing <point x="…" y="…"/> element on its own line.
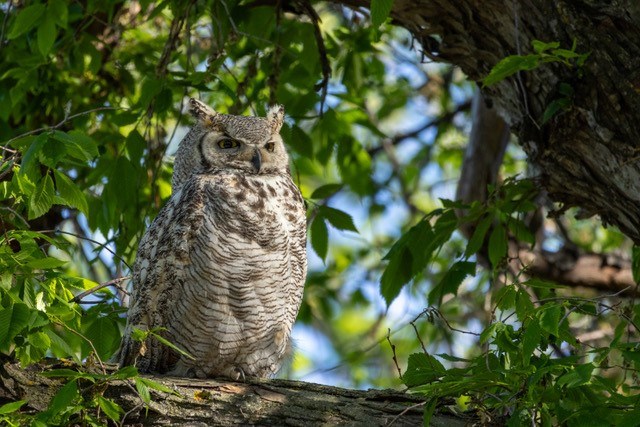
<point x="101" y="245"/>
<point x="415" y="328"/>
<point x="397" y="417"/>
<point x="66" y="119"/>
<point x="7" y="13"/>
<point x="308" y="10"/>
<point x="93" y="348"/>
<point x="78" y="297"/>
<point x="393" y="349"/>
<point x="412" y="134"/>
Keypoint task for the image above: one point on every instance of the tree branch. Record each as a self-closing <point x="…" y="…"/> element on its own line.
<point x="228" y="403"/>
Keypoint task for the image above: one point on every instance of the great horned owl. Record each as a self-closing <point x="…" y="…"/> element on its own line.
<point x="223" y="265"/>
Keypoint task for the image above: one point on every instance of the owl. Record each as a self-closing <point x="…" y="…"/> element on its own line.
<point x="221" y="270"/>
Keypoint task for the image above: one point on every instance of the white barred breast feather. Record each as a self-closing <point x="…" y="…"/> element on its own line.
<point x="223" y="266"/>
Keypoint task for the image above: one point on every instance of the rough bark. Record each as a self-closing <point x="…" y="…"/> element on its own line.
<point x="588" y="155"/>
<point x="568" y="266"/>
<point x="227" y="403"/>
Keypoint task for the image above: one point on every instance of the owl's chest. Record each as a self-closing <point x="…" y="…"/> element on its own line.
<point x="254" y="208"/>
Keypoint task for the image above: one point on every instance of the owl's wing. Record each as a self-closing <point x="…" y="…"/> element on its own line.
<point x="158" y="273"/>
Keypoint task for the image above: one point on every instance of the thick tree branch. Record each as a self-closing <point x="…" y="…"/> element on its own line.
<point x="587" y="155"/>
<point x="226" y="403"/>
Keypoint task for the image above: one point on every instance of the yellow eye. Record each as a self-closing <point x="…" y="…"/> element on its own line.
<point x="270" y="146"/>
<point x="228" y="143"/>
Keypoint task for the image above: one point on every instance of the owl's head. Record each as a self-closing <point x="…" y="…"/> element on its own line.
<point x="251" y="145"/>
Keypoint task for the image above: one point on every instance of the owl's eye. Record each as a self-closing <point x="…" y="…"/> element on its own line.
<point x="270" y="146"/>
<point x="228" y="143"/>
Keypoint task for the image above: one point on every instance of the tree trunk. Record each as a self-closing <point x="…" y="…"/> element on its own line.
<point x="227" y="403"/>
<point x="588" y="155"/>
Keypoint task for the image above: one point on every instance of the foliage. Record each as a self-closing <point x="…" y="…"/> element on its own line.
<point x="93" y="98"/>
<point x="544" y="53"/>
<point x="516" y="372"/>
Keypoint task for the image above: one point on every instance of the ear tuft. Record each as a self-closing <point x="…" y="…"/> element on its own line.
<point x="201" y="111"/>
<point x="275" y="116"/>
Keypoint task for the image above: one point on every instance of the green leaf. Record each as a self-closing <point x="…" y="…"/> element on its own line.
<point x="42" y="198"/>
<point x="452" y="280"/>
<point x="125" y="373"/>
<point x="509" y="66"/>
<point x="542" y="284"/>
<point x="541" y="47"/>
<point x="39" y="340"/>
<point x="550" y="319"/>
<point x="554" y="107"/>
<point x="103" y="333"/>
<point x="380" y="10"/>
<point x="27" y="19"/>
<point x="29" y="163"/>
<point x="13" y="320"/>
<point x="71" y="193"/>
<point x="143" y="390"/>
<point x="422" y="369"/>
<point x="325" y="191"/>
<point x="61" y="347"/>
<point x="63" y="398"/>
<point x="398" y="272"/>
<point x="498" y="245"/>
<point x="77" y="144"/>
<point x="530" y="339"/>
<point x="150" y="88"/>
<point x="156" y="385"/>
<point x="299" y="140"/>
<point x="110" y="408"/>
<point x="46" y="35"/>
<point x="139" y="334"/>
<point x="11" y="407"/>
<point x="520" y="231"/>
<point x="58" y="8"/>
<point x="69" y="374"/>
<point x="46" y="263"/>
<point x="429" y="410"/>
<point x="339" y="219"/>
<point x="320" y="237"/>
<point x="411" y="254"/>
<point x="524" y="306"/>
<point x="578" y="376"/>
<point x="171" y="345"/>
<point x="478" y="237"/>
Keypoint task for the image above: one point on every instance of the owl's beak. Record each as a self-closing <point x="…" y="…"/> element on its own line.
<point x="256" y="160"/>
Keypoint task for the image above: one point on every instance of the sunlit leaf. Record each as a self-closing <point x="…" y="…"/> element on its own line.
<point x="509" y="66"/>
<point x="11" y="407"/>
<point x="71" y="193"/>
<point x="42" y="198"/>
<point x="13" y="319"/>
<point x="143" y="391"/>
<point x="110" y="408"/>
